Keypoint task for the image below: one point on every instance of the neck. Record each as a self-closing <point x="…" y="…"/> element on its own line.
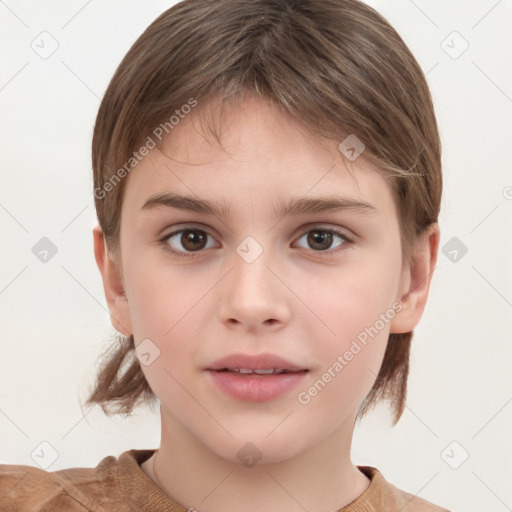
<point x="321" y="479"/>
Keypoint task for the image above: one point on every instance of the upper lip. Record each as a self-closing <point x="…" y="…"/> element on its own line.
<point x="254" y="362"/>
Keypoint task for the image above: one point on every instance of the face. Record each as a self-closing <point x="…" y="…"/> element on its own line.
<point x="307" y="287"/>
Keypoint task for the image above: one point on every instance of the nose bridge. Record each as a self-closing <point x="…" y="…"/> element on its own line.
<point x="253" y="293"/>
<point x="250" y="266"/>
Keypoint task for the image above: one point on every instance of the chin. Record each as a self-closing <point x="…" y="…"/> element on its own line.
<point x="249" y="451"/>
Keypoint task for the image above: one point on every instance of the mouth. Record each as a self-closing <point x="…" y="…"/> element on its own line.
<point x="261" y="372"/>
<point x="259" y="364"/>
<point x="256" y="385"/>
<point x="255" y="377"/>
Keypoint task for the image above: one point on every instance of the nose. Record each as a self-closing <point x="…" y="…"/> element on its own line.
<point x="253" y="294"/>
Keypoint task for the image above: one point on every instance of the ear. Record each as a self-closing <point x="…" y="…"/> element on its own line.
<point x="415" y="281"/>
<point x="112" y="284"/>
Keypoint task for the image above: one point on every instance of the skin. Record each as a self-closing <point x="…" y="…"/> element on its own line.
<point x="303" y="306"/>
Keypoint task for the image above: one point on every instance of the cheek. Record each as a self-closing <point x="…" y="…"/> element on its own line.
<point x="349" y="361"/>
<point x="356" y="305"/>
<point x="356" y="299"/>
<point x="166" y="308"/>
<point x="161" y="297"/>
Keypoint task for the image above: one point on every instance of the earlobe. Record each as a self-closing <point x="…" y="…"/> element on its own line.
<point x="112" y="284"/>
<point x="416" y="281"/>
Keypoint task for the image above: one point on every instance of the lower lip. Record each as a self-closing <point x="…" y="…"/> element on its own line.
<point x="255" y="388"/>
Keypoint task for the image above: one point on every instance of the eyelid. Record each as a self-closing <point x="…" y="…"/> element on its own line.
<point x="326" y="227"/>
<point x="349" y="234"/>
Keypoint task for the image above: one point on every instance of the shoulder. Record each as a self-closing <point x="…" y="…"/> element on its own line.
<point x="383" y="495"/>
<point x="27" y="488"/>
<point x="408" y="502"/>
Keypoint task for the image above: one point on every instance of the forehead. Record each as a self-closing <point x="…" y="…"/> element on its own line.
<point x="266" y="159"/>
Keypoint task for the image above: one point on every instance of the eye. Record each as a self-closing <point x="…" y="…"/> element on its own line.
<point x="320" y="239"/>
<point x="191" y="240"/>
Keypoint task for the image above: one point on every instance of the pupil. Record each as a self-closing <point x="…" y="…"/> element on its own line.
<point x="191" y="238"/>
<point x="317" y="237"/>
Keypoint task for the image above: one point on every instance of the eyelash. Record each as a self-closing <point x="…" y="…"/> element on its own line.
<point x="335" y="231"/>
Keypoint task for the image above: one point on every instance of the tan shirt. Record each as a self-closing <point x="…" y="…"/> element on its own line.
<point x="120" y="485"/>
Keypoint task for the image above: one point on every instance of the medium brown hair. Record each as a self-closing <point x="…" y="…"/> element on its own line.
<point x="337" y="66"/>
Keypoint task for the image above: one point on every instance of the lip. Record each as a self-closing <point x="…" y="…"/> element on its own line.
<point x="255" y="362"/>
<point x="253" y="387"/>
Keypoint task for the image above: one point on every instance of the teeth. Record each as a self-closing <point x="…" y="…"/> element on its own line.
<point x="259" y="372"/>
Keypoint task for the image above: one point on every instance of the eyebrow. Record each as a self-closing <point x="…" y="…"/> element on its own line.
<point x="294" y="206"/>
